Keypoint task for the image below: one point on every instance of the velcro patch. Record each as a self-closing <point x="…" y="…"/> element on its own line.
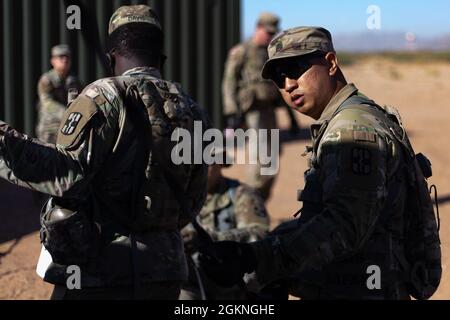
<point x="364" y="136"/>
<point x="80" y="112"/>
<point x="71" y="123"/>
<point x="361" y="161"/>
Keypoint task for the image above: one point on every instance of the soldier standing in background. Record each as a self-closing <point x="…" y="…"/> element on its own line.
<point x="232" y="211"/>
<point x="53" y="89"/>
<point x="250" y="98"/>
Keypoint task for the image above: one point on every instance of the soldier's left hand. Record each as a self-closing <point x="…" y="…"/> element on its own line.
<point x="236" y="259"/>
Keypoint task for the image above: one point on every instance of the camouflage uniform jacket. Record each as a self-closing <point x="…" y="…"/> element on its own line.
<point x="53" y="92"/>
<point x="242" y="85"/>
<point x="353" y="210"/>
<point x="95" y="155"/>
<point x="234" y="212"/>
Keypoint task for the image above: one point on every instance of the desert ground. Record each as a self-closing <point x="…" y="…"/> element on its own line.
<point x="420" y="90"/>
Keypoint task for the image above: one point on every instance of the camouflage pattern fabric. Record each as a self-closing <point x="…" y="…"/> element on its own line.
<point x="244" y="91"/>
<point x="132" y="14"/>
<point x="353" y="210"/>
<point x="235" y="212"/>
<point x="53" y="93"/>
<point x="94" y="157"/>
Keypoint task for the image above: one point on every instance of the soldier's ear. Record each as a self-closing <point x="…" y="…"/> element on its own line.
<point x="332" y="63"/>
<point x="52" y="61"/>
<point x="111" y="59"/>
<point x="111" y="62"/>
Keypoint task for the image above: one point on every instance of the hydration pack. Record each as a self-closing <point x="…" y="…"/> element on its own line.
<point x="422" y="245"/>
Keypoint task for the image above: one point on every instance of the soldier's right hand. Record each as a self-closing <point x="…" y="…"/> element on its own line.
<point x="190" y="239"/>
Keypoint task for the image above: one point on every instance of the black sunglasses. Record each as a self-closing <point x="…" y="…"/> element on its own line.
<point x="291" y="68"/>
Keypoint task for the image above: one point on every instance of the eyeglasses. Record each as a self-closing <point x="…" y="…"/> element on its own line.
<point x="290" y="68"/>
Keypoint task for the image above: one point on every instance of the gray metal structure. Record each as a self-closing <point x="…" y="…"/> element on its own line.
<point x="198" y="35"/>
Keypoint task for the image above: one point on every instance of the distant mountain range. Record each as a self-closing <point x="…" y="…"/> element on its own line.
<point x="389" y="41"/>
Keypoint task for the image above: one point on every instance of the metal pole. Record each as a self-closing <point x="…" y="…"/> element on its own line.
<point x="28" y="55"/>
<point x="171" y="43"/>
<point x="101" y="17"/>
<point x="63" y="31"/>
<point x="187" y="45"/>
<point x="218" y="61"/>
<point x="8" y="62"/>
<point x="203" y="58"/>
<point x="2" y="72"/>
<point x="45" y="32"/>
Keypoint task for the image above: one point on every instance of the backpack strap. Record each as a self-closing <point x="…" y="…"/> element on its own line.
<point x="391" y="113"/>
<point x="205" y="239"/>
<point x="138" y="115"/>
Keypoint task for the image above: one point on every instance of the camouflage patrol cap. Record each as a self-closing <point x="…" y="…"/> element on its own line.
<point x="269" y="21"/>
<point x="296" y="42"/>
<point x="133" y="14"/>
<point x="61" y="50"/>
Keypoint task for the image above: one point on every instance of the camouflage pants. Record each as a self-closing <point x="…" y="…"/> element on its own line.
<point x="261" y="119"/>
<point x="168" y="290"/>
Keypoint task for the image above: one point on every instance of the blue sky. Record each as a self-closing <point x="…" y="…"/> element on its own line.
<point x="426" y="18"/>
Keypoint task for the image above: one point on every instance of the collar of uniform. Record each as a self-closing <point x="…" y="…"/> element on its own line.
<point x="331" y="108"/>
<point x="337" y="101"/>
<point x="146" y="70"/>
<point x="57" y="79"/>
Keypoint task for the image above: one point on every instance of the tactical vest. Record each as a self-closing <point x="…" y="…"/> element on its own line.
<point x="60" y="86"/>
<point x="255" y="92"/>
<point x="223" y="219"/>
<point x="408" y="257"/>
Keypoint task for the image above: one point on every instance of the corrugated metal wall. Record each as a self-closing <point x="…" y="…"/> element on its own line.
<point x="198" y="36"/>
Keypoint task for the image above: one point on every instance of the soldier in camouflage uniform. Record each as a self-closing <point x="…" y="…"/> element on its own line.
<point x="246" y="95"/>
<point x="53" y="89"/>
<point x="354" y="200"/>
<point x="232" y="211"/>
<point x="112" y="164"/>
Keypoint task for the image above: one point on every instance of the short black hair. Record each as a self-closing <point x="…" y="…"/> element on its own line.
<point x="138" y="40"/>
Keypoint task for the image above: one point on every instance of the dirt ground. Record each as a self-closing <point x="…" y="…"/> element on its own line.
<point x="419" y="91"/>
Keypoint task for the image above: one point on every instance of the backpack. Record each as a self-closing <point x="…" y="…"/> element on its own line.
<point x="421" y="244"/>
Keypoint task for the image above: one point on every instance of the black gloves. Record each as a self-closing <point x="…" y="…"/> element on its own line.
<point x="232" y="261"/>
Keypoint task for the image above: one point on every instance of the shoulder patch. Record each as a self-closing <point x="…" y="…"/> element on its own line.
<point x="80" y="111"/>
<point x="71" y="123"/>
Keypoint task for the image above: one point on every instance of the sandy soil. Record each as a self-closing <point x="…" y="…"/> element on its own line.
<point x="419" y="91"/>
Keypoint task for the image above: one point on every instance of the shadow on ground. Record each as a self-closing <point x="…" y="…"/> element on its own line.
<point x="444" y="199"/>
<point x="19" y="211"/>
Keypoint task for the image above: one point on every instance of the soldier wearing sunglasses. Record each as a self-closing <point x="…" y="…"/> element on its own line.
<point x="353" y="215"/>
